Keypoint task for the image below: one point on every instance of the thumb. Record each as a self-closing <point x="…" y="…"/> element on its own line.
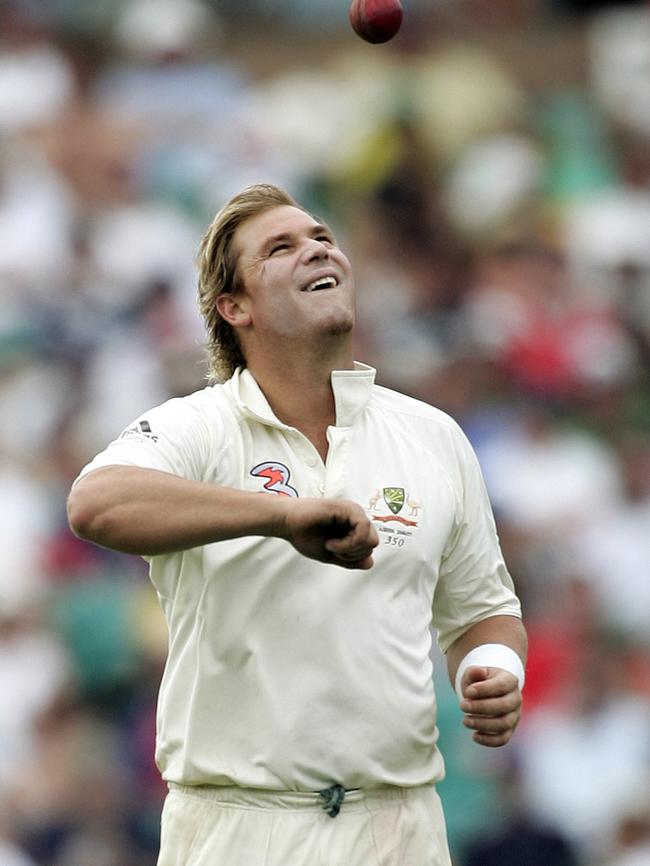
<point x="475" y="674"/>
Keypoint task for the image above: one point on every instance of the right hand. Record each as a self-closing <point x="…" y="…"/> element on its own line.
<point x="335" y="531"/>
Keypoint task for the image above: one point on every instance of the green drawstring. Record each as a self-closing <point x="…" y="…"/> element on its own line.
<point x="333" y="797"/>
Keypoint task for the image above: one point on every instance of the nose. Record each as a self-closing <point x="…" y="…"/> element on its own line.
<point x="315" y="249"/>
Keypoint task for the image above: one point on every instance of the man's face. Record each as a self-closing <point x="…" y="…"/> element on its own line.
<point x="295" y="281"/>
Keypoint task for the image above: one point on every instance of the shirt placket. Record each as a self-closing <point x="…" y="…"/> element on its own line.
<point x="335" y="480"/>
<point x="310" y="459"/>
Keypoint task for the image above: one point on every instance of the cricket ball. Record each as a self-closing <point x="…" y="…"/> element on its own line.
<point x="376" y="20"/>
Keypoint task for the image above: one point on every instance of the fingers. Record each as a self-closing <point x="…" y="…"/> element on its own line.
<point x="481" y="683"/>
<point x="346" y="554"/>
<point x="353" y="553"/>
<point x="492" y="732"/>
<point x="354" y="550"/>
<point x="493" y="726"/>
<point x="492" y="705"/>
<point x="493" y="741"/>
<point x="337" y="532"/>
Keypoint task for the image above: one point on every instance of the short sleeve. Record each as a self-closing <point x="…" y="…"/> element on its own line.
<point x="173" y="437"/>
<point x="473" y="582"/>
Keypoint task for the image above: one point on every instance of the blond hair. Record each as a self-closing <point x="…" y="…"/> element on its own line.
<point x="217" y="266"/>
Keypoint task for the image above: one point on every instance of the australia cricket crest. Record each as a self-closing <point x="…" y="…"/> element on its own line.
<point x="394" y="498"/>
<point x="395" y="509"/>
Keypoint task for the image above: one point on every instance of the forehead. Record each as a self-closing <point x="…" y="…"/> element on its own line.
<point x="252" y="234"/>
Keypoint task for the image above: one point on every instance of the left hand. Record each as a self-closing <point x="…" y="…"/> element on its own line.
<point x="491" y="704"/>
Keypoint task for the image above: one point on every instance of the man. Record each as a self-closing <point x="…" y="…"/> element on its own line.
<point x="304" y="528"/>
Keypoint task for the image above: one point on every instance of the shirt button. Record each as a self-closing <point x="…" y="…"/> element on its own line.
<point x="321" y="487"/>
<point x="311" y="461"/>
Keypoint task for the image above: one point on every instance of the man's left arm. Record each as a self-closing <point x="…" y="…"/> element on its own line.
<point x="490" y="695"/>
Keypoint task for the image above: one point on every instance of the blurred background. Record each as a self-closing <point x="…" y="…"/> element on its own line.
<point x="488" y="173"/>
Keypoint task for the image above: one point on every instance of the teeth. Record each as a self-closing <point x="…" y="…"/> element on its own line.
<point x="322" y="283"/>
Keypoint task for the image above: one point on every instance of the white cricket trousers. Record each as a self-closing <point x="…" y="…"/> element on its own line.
<point x="213" y="826"/>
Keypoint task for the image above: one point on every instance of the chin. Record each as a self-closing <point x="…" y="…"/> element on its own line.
<point x="339" y="325"/>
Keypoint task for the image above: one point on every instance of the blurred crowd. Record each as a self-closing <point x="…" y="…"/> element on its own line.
<point x="493" y="193"/>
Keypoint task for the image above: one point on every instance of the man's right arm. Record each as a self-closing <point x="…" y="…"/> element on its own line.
<point x="149" y="512"/>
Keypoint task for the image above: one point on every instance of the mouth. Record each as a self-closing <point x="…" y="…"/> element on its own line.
<point x="328" y="282"/>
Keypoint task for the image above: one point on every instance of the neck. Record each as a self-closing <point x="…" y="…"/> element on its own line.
<point x="299" y="390"/>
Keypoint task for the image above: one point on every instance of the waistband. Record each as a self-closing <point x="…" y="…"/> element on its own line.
<point x="262" y="798"/>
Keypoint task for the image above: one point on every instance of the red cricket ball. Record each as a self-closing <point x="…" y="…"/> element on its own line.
<point x="376" y="20"/>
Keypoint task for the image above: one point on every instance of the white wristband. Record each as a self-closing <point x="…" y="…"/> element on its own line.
<point x="490" y="655"/>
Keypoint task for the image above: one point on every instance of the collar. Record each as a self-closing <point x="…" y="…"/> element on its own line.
<point x="352" y="390"/>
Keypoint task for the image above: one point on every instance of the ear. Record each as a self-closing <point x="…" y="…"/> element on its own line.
<point x="233" y="308"/>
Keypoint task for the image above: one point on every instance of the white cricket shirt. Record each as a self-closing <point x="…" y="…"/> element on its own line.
<point x="286" y="673"/>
